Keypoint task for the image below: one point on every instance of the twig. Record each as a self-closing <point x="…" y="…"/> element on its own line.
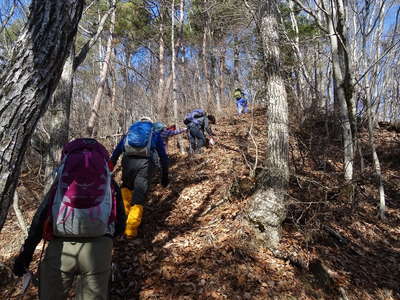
<point x="212" y="206"/>
<point x="20" y="218"/>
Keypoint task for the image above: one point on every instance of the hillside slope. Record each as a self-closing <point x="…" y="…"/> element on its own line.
<point x="194" y="242"/>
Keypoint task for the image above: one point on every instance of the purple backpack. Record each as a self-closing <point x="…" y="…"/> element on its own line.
<point x="83" y="205"/>
<point x="196" y="116"/>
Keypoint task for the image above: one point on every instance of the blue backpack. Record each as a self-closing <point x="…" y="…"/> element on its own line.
<point x="196" y="116"/>
<point x="138" y="139"/>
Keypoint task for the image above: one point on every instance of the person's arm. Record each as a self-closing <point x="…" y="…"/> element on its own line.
<point x="165" y="134"/>
<point x="117" y="151"/>
<point x="120" y="222"/>
<point x="35" y="235"/>
<point x="207" y="127"/>
<point x="176" y="132"/>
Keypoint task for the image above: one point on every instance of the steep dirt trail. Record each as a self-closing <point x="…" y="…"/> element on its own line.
<point x="194" y="242"/>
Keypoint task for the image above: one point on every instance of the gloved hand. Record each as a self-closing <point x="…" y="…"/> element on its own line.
<point x="164" y="179"/>
<point x="21" y="265"/>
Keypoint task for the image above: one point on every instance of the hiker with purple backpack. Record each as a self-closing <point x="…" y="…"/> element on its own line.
<point x="198" y="123"/>
<point x="79" y="217"/>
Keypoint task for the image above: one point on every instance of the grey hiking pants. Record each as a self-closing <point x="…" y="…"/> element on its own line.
<point x="136" y="176"/>
<point x="63" y="261"/>
<point x="197" y="138"/>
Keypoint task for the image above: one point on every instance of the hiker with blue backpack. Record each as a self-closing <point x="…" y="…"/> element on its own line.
<point x="138" y="165"/>
<point x="241" y="101"/>
<point x="198" y="123"/>
<point x="79" y="217"/>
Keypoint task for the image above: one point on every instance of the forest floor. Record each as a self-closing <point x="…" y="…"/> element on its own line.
<point x="194" y="242"/>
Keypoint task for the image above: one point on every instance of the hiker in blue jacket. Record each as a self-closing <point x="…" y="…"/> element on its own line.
<point x="198" y="123"/>
<point x="137" y="171"/>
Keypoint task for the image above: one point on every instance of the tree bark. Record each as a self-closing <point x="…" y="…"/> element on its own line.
<point x="343" y="84"/>
<point x="162" y="106"/>
<point x="236" y="63"/>
<point x="173" y="62"/>
<point x="205" y="62"/>
<point x="268" y="209"/>
<point x="28" y="81"/>
<point x="58" y="114"/>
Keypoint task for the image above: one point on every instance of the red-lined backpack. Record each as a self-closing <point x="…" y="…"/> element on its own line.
<point x="83" y="202"/>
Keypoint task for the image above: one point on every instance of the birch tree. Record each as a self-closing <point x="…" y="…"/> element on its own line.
<point x="28" y="81"/>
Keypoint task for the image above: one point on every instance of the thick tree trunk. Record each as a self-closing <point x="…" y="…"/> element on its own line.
<point x="268" y="208"/>
<point x="28" y="81"/>
<point x="58" y="114"/>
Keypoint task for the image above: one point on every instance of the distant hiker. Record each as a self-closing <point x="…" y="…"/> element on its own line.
<point x="138" y="167"/>
<point x="169" y="132"/>
<point x="79" y="216"/>
<point x="241" y="101"/>
<point x="197" y="122"/>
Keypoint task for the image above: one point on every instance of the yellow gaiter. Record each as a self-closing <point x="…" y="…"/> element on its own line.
<point x="134" y="220"/>
<point x="127" y="199"/>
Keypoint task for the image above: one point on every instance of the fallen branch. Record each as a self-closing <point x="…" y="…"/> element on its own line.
<point x="212" y="206"/>
<point x="18" y="213"/>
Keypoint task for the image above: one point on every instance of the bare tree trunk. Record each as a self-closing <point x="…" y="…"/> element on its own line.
<point x="375" y="158"/>
<point x="28" y="81"/>
<point x="221" y="90"/>
<point x="103" y="76"/>
<point x="205" y="63"/>
<point x="343" y="84"/>
<point x="58" y="113"/>
<point x="268" y="207"/>
<point x="236" y="63"/>
<point x="179" y="44"/>
<point x="161" y="74"/>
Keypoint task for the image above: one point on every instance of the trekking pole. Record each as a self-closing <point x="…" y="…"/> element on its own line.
<point x="29" y="276"/>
